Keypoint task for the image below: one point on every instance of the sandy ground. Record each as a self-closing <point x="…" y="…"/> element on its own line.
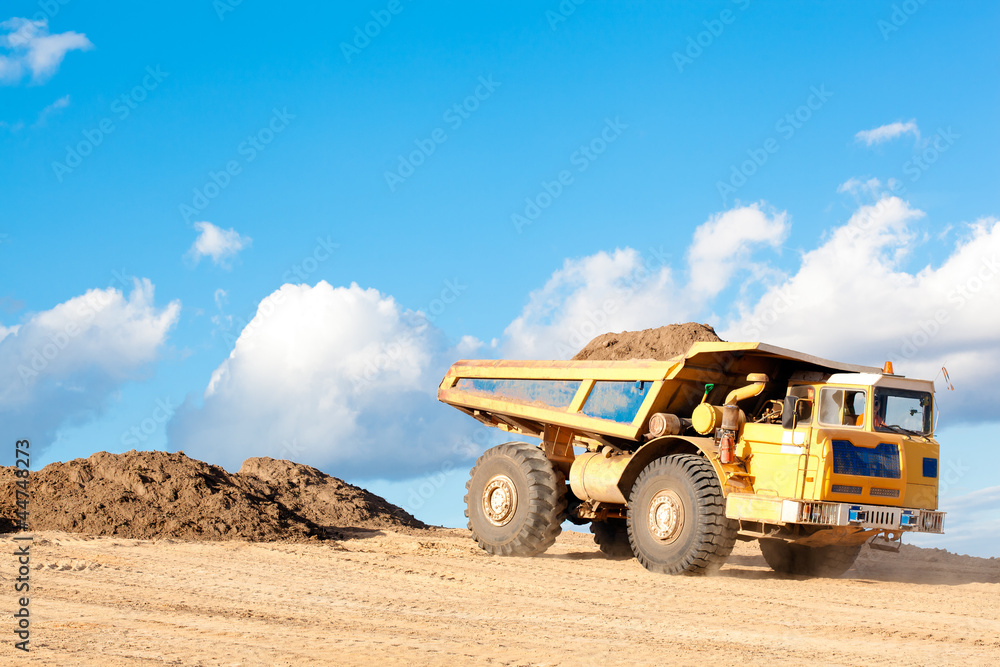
<point x="432" y="598"/>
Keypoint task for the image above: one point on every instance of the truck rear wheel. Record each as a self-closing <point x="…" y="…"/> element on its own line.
<point x="515" y="500"/>
<point x="830" y="561"/>
<point x="677" y="519"/>
<point x="611" y="536"/>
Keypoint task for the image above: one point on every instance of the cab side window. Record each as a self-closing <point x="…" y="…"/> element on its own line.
<point x="841" y="407"/>
<point x="854" y="408"/>
<point x="830" y="403"/>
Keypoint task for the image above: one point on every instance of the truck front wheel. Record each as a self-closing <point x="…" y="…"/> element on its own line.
<point x="676" y="517"/>
<point x="515" y="500"/>
<point x="830" y="561"/>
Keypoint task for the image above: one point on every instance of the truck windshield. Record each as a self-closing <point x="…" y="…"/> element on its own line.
<point x="903" y="411"/>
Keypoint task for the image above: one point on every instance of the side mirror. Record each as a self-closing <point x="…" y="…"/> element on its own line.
<point x="789" y="412"/>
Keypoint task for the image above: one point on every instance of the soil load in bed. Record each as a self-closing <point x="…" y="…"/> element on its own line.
<point x="661" y="343"/>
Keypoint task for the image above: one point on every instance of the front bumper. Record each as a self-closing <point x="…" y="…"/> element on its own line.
<point x="819" y="513"/>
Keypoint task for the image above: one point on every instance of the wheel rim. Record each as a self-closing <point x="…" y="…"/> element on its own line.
<point x="666" y="516"/>
<point x="499" y="500"/>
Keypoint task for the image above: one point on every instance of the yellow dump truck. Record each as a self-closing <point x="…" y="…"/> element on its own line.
<point x="673" y="461"/>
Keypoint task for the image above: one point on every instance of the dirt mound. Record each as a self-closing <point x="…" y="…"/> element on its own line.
<point x="324" y="500"/>
<point x="661" y="343"/>
<point x="149" y="495"/>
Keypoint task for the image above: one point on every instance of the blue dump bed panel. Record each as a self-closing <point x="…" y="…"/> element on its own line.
<point x="616" y="401"/>
<point x="545" y="393"/>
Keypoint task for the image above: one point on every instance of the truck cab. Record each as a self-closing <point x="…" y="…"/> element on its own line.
<point x="855" y="451"/>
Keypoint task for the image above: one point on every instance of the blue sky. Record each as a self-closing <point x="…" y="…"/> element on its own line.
<point x="496" y="181"/>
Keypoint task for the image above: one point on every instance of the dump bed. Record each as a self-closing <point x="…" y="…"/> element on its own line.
<point x="614" y="399"/>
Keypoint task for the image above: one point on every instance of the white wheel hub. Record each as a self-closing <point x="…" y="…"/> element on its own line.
<point x="499" y="500"/>
<point x="666" y="516"/>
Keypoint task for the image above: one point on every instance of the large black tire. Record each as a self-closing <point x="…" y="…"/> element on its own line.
<point x="677" y="517"/>
<point x="829" y="561"/>
<point x="611" y="536"/>
<point x="515" y="500"/>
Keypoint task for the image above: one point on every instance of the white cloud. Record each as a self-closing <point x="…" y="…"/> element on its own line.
<point x="626" y="290"/>
<point x="854" y="186"/>
<point x="30" y="47"/>
<point x="724" y="243"/>
<point x="219" y="244"/>
<point x="591" y="295"/>
<point x="970" y="526"/>
<point x="340" y="378"/>
<point x="6" y="331"/>
<point x="851" y="299"/>
<point x="62" y="365"/>
<point x="61" y="103"/>
<point x="888" y="132"/>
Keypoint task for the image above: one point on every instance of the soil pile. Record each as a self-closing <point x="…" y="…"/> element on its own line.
<point x="321" y="499"/>
<point x="661" y="343"/>
<point x="150" y="495"/>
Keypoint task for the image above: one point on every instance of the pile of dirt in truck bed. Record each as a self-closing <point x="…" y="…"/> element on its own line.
<point x="150" y="495"/>
<point x="661" y="343"/>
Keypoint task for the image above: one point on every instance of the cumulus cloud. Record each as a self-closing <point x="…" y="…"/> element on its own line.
<point x="219" y="244"/>
<point x="62" y="365"/>
<point x="61" y="103"/>
<point x="724" y="244"/>
<point x="856" y="186"/>
<point x="887" y="132"/>
<point x="340" y="378"/>
<point x="27" y="46"/>
<point x="971" y="526"/>
<point x="852" y="299"/>
<point x="626" y="289"/>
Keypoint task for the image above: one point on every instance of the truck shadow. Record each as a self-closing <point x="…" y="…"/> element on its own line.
<point x="954" y="570"/>
<point x="926" y="578"/>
